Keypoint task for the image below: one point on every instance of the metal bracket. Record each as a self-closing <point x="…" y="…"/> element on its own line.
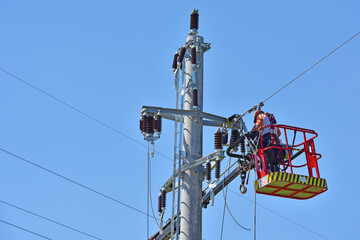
<point x="212" y="157"/>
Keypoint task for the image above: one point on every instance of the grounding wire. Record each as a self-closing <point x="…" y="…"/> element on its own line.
<point x="288" y="219"/>
<point x="74" y="182"/>
<point x="48" y="219"/>
<point x="312" y="66"/>
<point x="79" y="111"/>
<point x="26" y="230"/>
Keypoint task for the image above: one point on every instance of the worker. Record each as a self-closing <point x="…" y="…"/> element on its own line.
<point x="270" y="137"/>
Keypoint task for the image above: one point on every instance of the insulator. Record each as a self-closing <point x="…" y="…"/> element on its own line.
<point x="163" y="197"/>
<point x="218" y="139"/>
<point x="180" y="66"/>
<point x="158" y="124"/>
<point x="225" y="138"/>
<point x="242" y="145"/>
<point x="234" y="136"/>
<point x="194" y="19"/>
<point x="208" y="171"/>
<point x="174" y="65"/>
<point x="160" y="201"/>
<point x="149" y="124"/>
<point x="142" y="128"/>
<point x="193" y="56"/>
<point x="195" y="97"/>
<point x="182" y="54"/>
<point x="217" y="169"/>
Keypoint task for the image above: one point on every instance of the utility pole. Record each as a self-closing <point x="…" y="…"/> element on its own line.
<point x="191" y="203"/>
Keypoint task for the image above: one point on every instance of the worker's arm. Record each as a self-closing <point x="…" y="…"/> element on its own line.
<point x="258" y="123"/>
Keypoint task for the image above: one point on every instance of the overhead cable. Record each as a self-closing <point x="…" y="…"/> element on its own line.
<point x="74" y="182"/>
<point x="26" y="230"/>
<point x="79" y="111"/>
<point x="48" y="219"/>
<point x="311" y="66"/>
<point x="288" y="219"/>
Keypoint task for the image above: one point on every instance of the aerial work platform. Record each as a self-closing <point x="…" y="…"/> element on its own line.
<point x="290" y="185"/>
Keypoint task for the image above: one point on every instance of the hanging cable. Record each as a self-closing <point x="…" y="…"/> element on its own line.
<point x="74" y="182"/>
<point x="223" y="217"/>
<point x="25" y="229"/>
<point x="48" y="219"/>
<point x="148" y="193"/>
<point x="288" y="219"/>
<point x="79" y="111"/>
<point x="255" y="216"/>
<point x="312" y="66"/>
<point x="151" y="204"/>
<point x="230" y="211"/>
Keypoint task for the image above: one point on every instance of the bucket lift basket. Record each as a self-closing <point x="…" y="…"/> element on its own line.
<point x="286" y="183"/>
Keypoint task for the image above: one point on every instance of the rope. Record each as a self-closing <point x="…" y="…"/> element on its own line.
<point x="312" y="66"/>
<point x="223" y="217"/>
<point x="225" y="203"/>
<point x="151" y="204"/>
<point x="255" y="217"/>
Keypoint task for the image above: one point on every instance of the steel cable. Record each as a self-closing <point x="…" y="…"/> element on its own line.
<point x="74" y="182"/>
<point x="48" y="219"/>
<point x="26" y="230"/>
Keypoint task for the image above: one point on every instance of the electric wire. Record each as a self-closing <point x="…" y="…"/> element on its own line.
<point x="48" y="219"/>
<point x="26" y="230"/>
<point x="74" y="182"/>
<point x="79" y="111"/>
<point x="312" y="66"/>
<point x="288" y="219"/>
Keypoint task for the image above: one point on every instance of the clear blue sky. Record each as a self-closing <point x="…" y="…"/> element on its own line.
<point x="108" y="58"/>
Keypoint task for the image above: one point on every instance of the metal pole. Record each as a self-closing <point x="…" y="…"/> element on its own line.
<point x="191" y="208"/>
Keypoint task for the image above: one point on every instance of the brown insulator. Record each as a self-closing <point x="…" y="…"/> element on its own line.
<point x="149" y="124"/>
<point x="194" y="19"/>
<point x="160" y="201"/>
<point x="217" y="169"/>
<point x="193" y="55"/>
<point x="218" y="139"/>
<point x="182" y="54"/>
<point x="208" y="171"/>
<point x="163" y="196"/>
<point x="234" y="136"/>
<point x="158" y="124"/>
<point x="195" y="97"/>
<point x="174" y="65"/>
<point x="142" y="128"/>
<point x="242" y="145"/>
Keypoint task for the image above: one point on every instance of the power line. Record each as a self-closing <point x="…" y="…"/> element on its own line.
<point x="79" y="111"/>
<point x="292" y="221"/>
<point x="312" y="66"/>
<point x="74" y="182"/>
<point x="25" y="229"/>
<point x="48" y="219"/>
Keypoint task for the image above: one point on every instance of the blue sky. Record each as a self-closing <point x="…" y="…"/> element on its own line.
<point x="108" y="58"/>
